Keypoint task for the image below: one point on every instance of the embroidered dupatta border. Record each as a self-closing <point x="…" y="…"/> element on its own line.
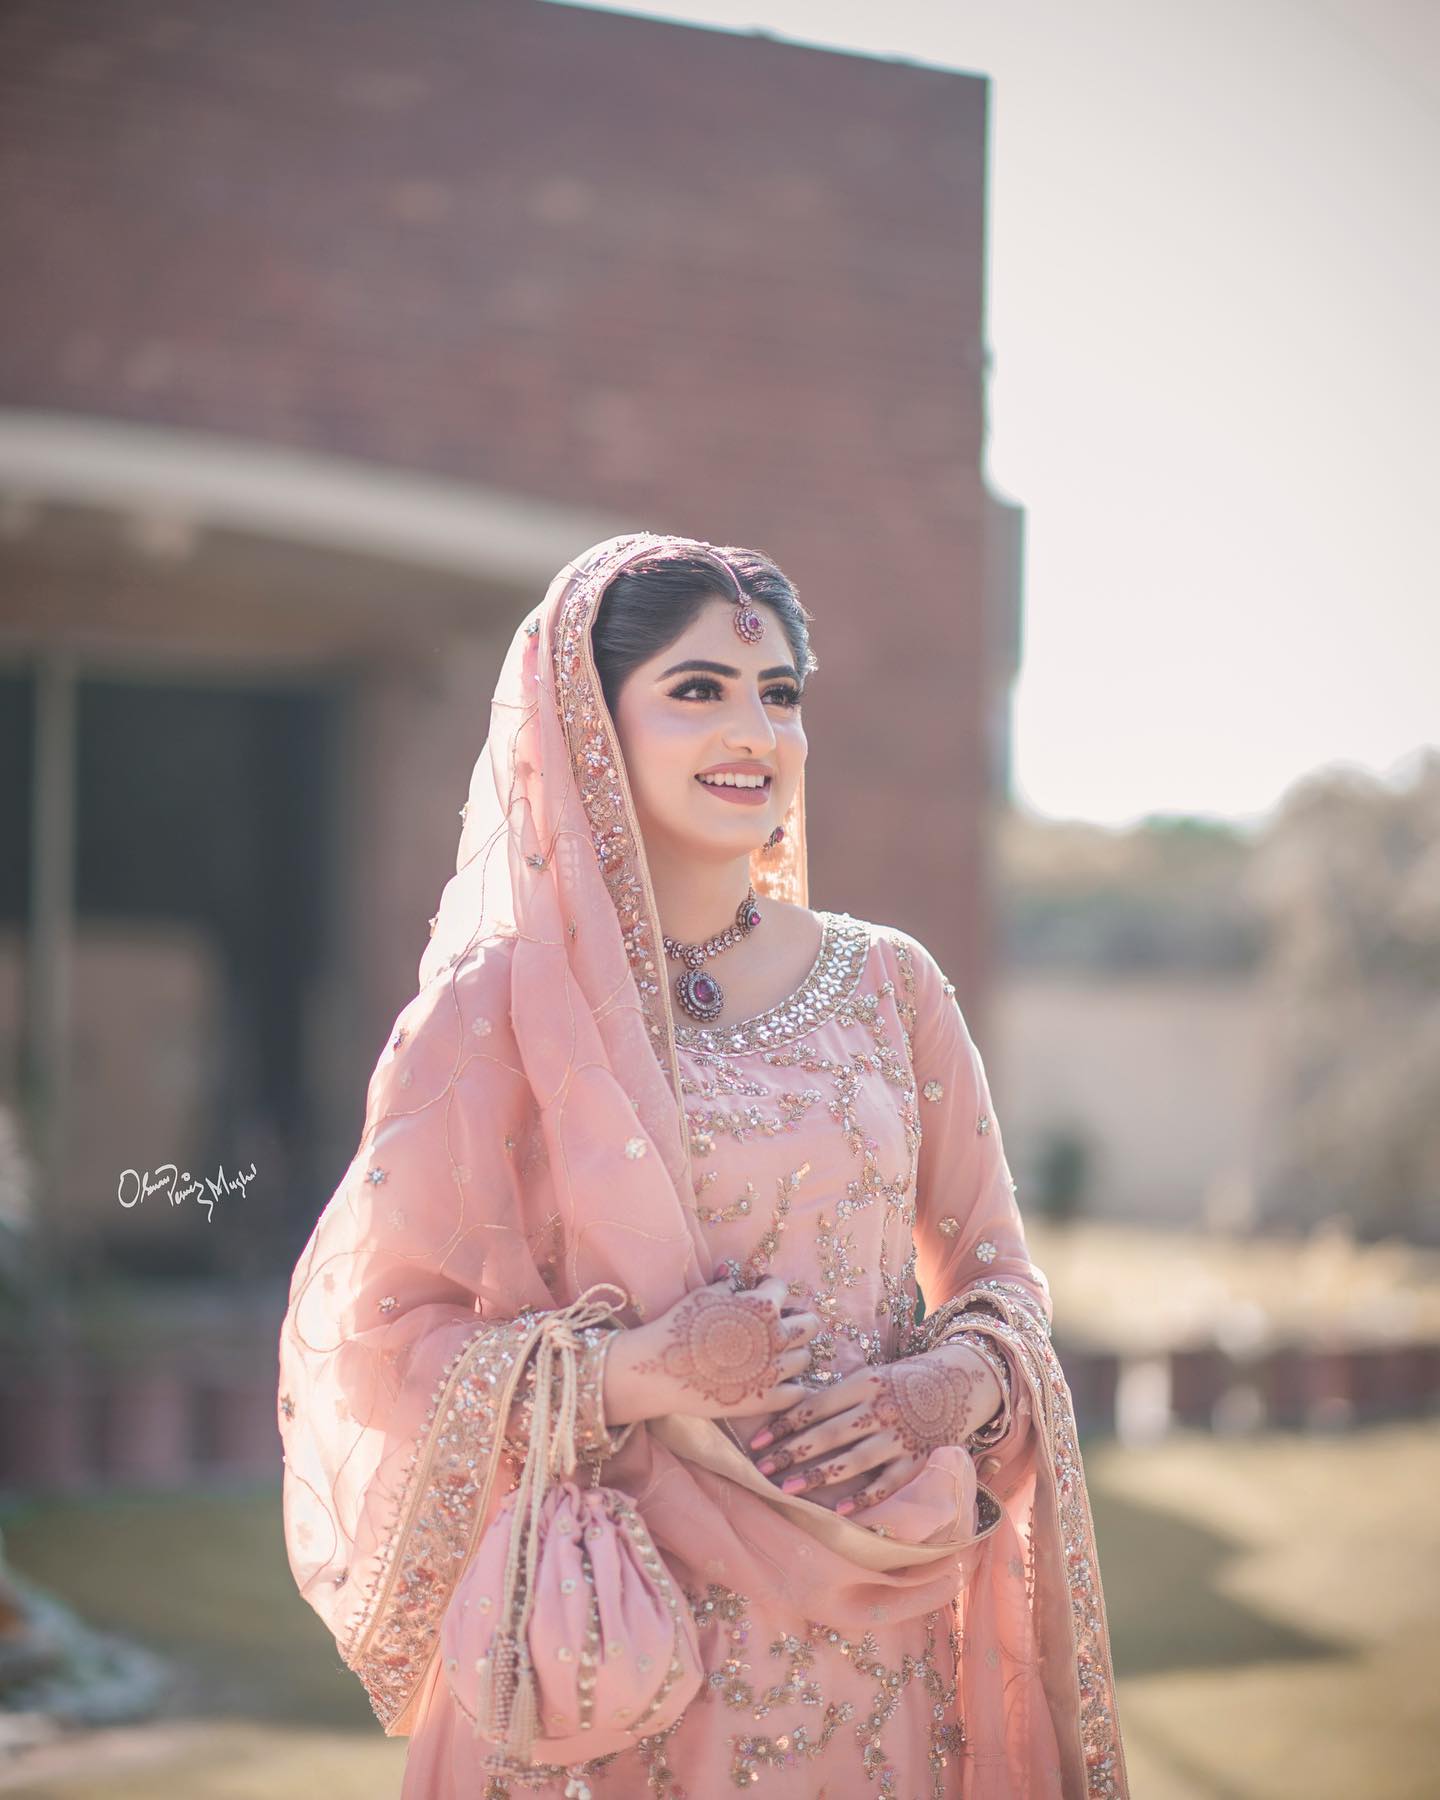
<point x="605" y="792"/>
<point x="1021" y="1325"/>
<point x="393" y="1637"/>
<point x="1028" y="1338"/>
<point x="435" y="1522"/>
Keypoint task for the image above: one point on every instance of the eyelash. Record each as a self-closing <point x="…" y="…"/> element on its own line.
<point x="790" y="694"/>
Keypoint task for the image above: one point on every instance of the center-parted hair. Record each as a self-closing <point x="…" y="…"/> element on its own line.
<point x="653" y="601"/>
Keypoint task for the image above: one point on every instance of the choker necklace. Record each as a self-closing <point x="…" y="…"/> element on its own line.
<point x="699" y="993"/>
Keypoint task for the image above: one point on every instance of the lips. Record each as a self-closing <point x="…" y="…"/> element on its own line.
<point x="737" y="796"/>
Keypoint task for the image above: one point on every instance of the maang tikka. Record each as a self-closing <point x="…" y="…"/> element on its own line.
<point x="746" y="619"/>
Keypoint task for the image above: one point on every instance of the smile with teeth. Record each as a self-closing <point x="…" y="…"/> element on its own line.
<point x="738" y="790"/>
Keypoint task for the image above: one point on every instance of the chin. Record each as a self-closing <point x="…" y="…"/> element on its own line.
<point x="742" y="837"/>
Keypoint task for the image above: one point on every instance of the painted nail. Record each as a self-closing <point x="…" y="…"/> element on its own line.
<point x="845" y="1506"/>
<point x="761" y="1439"/>
<point x="793" y="1485"/>
<point x="769" y="1466"/>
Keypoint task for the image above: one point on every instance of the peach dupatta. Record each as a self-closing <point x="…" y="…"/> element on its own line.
<point x="524" y="1139"/>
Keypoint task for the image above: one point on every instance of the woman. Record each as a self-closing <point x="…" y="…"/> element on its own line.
<point x="655" y="1169"/>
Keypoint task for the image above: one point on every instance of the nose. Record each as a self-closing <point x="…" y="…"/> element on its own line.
<point x="749" y="731"/>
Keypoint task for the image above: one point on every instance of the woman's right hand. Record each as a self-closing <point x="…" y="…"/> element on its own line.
<point x="715" y="1354"/>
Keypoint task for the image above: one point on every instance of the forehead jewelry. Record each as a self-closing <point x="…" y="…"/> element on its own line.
<point x="745" y="618"/>
<point x="748" y="623"/>
<point x="700" y="993"/>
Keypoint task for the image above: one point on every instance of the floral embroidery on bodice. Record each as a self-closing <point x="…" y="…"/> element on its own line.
<point x="805" y="1137"/>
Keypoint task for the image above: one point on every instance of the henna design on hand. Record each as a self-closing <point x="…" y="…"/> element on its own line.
<point x="820" y="1476"/>
<point x="775" y="1462"/>
<point x="724" y="1346"/>
<point x="923" y="1405"/>
<point x="798" y="1418"/>
<point x="867" y="1496"/>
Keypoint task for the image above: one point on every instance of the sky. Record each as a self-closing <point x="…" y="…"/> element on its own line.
<point x="1214" y="316"/>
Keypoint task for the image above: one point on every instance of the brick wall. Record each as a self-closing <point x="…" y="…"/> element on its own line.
<point x="721" y="284"/>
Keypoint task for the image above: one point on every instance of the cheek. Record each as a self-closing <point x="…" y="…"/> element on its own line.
<point x="660" y="752"/>
<point x="672" y="744"/>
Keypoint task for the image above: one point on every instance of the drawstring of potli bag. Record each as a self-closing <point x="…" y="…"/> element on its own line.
<point x="507" y="1709"/>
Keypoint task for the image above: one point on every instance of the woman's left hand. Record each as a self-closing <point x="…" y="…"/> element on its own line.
<point x="878" y="1427"/>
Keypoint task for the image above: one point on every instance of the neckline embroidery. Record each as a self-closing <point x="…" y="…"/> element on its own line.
<point x="833" y="977"/>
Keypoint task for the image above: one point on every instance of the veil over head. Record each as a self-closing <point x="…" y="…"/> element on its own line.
<point x="524" y="1137"/>
<point x="524" y="1140"/>
<point x="551" y="858"/>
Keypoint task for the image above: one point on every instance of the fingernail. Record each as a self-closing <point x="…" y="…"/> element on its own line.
<point x="845" y="1506"/>
<point x="793" y="1485"/>
<point x="761" y="1439"/>
<point x="769" y="1466"/>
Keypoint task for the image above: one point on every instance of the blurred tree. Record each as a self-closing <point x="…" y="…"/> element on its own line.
<point x="1349" y="879"/>
<point x="1165" y="896"/>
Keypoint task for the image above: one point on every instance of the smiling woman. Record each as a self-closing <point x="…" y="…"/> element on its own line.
<point x="706" y="706"/>
<point x="824" y="1542"/>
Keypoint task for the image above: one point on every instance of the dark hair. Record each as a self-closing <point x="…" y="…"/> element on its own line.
<point x="650" y="603"/>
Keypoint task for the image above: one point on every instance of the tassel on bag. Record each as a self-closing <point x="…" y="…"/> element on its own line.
<point x="566" y="1636"/>
<point x="507" y="1711"/>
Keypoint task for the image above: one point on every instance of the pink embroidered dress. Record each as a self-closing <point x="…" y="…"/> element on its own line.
<point x="539" y="1122"/>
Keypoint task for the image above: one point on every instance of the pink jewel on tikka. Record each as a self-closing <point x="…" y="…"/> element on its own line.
<point x="748" y="623"/>
<point x="746" y="617"/>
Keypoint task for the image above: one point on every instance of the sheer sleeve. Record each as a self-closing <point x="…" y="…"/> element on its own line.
<point x="410" y="1323"/>
<point x="973" y="1265"/>
<point x="1035" y="1608"/>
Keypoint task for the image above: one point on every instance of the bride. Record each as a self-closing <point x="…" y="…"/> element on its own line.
<point x="667" y="1393"/>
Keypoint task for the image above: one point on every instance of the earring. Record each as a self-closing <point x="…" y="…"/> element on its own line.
<point x="775" y="836"/>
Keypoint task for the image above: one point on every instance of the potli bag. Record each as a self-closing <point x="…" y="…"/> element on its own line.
<point x="566" y="1637"/>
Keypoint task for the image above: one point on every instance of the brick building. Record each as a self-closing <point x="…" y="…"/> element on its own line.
<point x="330" y="333"/>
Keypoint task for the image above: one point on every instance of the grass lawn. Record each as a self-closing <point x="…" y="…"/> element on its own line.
<point x="1273" y="1604"/>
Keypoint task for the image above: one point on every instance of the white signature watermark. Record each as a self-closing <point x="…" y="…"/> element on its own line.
<point x="178" y="1185"/>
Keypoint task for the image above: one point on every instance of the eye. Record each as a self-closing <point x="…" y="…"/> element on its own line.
<point x="695" y="681"/>
<point x="783" y="693"/>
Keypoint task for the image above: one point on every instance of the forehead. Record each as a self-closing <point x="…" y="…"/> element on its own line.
<point x="712" y="634"/>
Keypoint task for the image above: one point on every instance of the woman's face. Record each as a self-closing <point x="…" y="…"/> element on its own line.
<point x="707" y="703"/>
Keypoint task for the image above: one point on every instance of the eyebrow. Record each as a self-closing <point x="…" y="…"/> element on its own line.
<point x="719" y="668"/>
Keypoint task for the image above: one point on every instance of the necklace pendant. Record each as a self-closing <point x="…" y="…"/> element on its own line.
<point x="700" y="994"/>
